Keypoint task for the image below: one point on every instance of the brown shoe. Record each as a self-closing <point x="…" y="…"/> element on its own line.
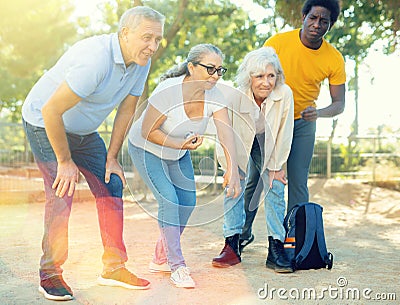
<point x="229" y="255"/>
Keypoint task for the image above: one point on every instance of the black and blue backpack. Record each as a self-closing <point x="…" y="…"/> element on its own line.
<point x="305" y="239"/>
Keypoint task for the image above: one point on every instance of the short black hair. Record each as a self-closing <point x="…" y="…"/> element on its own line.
<point x="331" y="5"/>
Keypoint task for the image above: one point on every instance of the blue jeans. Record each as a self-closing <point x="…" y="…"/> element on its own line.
<point x="274" y="198"/>
<point x="173" y="185"/>
<point x="89" y="154"/>
<point x="275" y="207"/>
<point x="234" y="215"/>
<point x="299" y="161"/>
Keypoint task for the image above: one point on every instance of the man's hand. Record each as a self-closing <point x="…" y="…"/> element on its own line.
<point x="113" y="167"/>
<point x="309" y="114"/>
<point x="66" y="179"/>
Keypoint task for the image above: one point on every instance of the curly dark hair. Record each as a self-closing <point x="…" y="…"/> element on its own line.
<point x="331" y="5"/>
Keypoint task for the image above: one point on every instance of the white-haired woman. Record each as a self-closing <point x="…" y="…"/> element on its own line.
<point x="262" y="115"/>
<point x="159" y="145"/>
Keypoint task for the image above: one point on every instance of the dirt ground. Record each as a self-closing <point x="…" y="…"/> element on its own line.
<point x="366" y="249"/>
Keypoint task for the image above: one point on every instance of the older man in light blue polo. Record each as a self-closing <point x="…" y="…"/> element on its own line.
<point x="61" y="115"/>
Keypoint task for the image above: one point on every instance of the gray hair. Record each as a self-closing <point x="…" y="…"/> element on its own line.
<point x="134" y="16"/>
<point x="195" y="55"/>
<point x="256" y="62"/>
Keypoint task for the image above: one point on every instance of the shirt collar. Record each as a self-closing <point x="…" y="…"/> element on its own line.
<point x="116" y="49"/>
<point x="276" y="94"/>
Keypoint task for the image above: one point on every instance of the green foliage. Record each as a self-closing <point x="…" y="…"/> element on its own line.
<point x="224" y="25"/>
<point x="360" y="24"/>
<point x="190" y="22"/>
<point x="33" y="34"/>
<point x="290" y="11"/>
<point x="351" y="156"/>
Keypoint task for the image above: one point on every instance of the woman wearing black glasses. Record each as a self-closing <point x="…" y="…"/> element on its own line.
<point x="159" y="143"/>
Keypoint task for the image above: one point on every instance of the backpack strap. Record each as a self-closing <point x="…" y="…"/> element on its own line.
<point x="311" y="225"/>
<point x="325" y="255"/>
<point x="290" y="219"/>
<point x="290" y="237"/>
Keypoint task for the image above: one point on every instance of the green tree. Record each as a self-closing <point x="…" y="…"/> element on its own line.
<point x="360" y="25"/>
<point x="189" y="22"/>
<point x="33" y="34"/>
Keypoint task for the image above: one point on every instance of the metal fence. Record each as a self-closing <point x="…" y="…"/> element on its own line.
<point x="372" y="158"/>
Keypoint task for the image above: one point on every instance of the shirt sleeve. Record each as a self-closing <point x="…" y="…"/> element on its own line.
<point x="273" y="42"/>
<point x="338" y="75"/>
<point x="163" y="94"/>
<point x="216" y="101"/>
<point x="285" y="134"/>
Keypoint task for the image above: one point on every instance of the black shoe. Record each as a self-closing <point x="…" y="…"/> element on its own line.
<point x="244" y="242"/>
<point x="54" y="288"/>
<point x="277" y="259"/>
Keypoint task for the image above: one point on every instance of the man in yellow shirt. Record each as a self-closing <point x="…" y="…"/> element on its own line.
<point x="307" y="60"/>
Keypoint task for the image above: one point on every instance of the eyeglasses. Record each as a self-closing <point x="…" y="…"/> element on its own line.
<point x="211" y="70"/>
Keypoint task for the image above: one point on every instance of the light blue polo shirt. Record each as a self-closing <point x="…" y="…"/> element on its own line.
<point x="95" y="70"/>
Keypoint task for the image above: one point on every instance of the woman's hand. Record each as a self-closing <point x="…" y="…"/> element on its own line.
<point x="277" y="175"/>
<point x="232" y="183"/>
<point x="192" y="142"/>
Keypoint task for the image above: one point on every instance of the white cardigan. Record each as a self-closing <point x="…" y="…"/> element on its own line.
<point x="277" y="110"/>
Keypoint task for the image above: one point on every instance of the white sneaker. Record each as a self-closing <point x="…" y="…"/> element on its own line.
<point x="156" y="268"/>
<point x="181" y="278"/>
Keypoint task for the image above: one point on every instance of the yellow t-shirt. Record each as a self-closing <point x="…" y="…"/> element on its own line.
<point x="305" y="69"/>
